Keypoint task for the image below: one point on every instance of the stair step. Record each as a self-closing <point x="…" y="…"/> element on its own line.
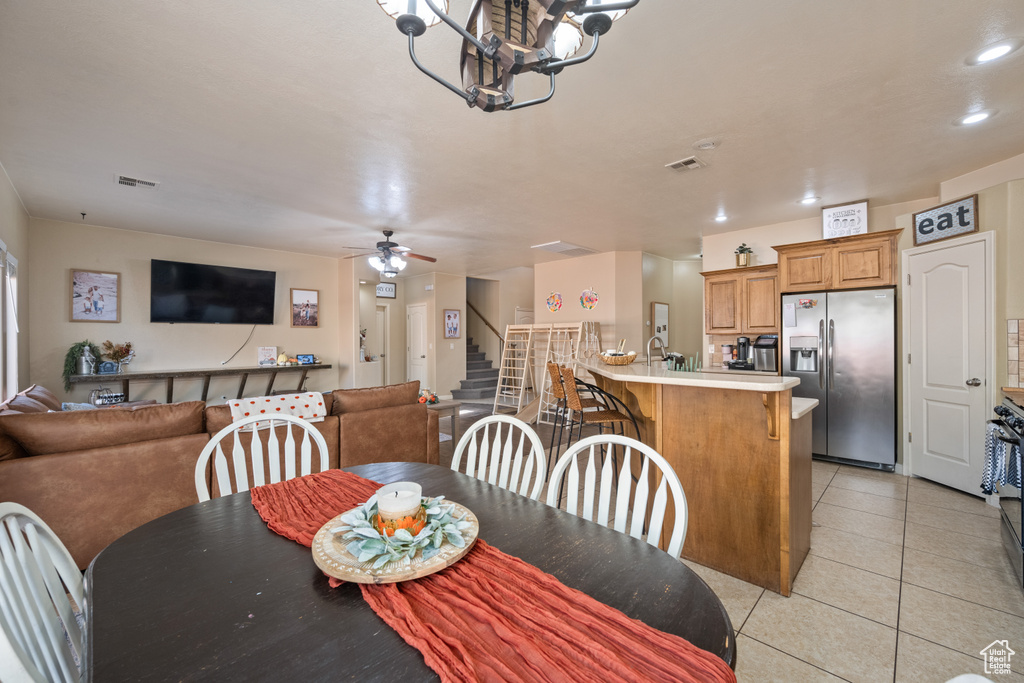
<point x="478" y="365"/>
<point x="477" y="374"/>
<point x="479" y="383"/>
<point x="476" y="356"/>
<point x="463" y="394"/>
<point x="472" y="348"/>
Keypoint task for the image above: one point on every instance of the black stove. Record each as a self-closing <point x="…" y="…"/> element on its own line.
<point x="1009" y="429"/>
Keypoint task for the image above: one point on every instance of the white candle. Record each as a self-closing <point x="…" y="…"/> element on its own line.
<point x="398" y="500"/>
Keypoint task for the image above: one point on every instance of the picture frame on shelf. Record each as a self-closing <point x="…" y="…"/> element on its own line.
<point x="305" y="358"/>
<point x="452" y="323"/>
<point x="95" y="296"/>
<point x="305" y="307"/>
<point x="843" y="220"/>
<point x="266" y="355"/>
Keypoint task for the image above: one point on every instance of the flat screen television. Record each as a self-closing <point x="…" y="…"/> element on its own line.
<point x="198" y="293"/>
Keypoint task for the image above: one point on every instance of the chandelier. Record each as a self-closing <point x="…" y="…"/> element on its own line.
<point x="387" y="264"/>
<point x="504" y="38"/>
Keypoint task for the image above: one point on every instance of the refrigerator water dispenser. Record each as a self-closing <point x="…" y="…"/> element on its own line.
<point x="803" y="352"/>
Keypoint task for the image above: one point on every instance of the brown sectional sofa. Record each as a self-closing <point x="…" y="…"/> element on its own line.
<point x="94" y="475"/>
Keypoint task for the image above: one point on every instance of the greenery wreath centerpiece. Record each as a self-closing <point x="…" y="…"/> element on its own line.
<point x="384" y="541"/>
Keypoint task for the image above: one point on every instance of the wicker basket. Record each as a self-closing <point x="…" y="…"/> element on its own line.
<point x="617" y="360"/>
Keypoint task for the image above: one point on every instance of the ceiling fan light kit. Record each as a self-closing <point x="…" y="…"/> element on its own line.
<point x="504" y="38"/>
<point x="387" y="259"/>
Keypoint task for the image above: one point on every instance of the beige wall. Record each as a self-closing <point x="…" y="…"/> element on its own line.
<point x="686" y="316"/>
<point x="658" y="285"/>
<point x="14" y="231"/>
<point x="57" y="247"/>
<point x="485" y="295"/>
<point x="501" y="292"/>
<point x="450" y="355"/>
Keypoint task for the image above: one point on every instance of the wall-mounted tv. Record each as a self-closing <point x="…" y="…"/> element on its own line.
<point x="198" y="293"/>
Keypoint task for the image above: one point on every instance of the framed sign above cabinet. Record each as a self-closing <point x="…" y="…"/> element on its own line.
<point x="387" y="290"/>
<point x="949" y="220"/>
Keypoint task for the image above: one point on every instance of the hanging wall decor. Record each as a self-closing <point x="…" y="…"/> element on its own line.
<point x="554" y="302"/>
<point x="588" y="299"/>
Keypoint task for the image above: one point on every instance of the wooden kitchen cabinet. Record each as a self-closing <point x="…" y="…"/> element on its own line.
<point x="741" y="301"/>
<point x="867" y="260"/>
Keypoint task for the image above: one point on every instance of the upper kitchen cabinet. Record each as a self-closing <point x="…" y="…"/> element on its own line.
<point x="741" y="300"/>
<point x="867" y="260"/>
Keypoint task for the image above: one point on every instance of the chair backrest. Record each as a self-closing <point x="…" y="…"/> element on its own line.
<point x="626" y="499"/>
<point x="508" y="461"/>
<point x="41" y="638"/>
<point x="260" y="456"/>
<point x="572" y="397"/>
<point x="556" y="381"/>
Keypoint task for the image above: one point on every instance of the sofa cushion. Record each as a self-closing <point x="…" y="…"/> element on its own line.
<point x="90" y="498"/>
<point x="356" y="400"/>
<point x="44" y="433"/>
<point x="24" y="404"/>
<point x="43" y="395"/>
<point x="395" y="434"/>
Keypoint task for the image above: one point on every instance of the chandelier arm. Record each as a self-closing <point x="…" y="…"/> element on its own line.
<point x="457" y="91"/>
<point x="443" y="16"/>
<point x="553" y="66"/>
<point x="539" y="100"/>
<point x="612" y="7"/>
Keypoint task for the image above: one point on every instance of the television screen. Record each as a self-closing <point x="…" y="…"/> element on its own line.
<point x="197" y="293"/>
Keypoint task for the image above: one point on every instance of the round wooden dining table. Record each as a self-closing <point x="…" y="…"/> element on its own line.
<point x="210" y="593"/>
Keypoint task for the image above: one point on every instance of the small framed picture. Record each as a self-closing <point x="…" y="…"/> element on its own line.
<point x="452" y="323"/>
<point x="305" y="358"/>
<point x="843" y="220"/>
<point x="305" y="307"/>
<point x="95" y="297"/>
<point x="266" y="355"/>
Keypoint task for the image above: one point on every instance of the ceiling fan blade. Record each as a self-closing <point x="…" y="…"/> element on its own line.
<point x="421" y="257"/>
<point x="368" y="253"/>
<point x="401" y="250"/>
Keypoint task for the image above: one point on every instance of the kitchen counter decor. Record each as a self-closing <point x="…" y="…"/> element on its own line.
<point x="624" y="359"/>
<point x="362" y="546"/>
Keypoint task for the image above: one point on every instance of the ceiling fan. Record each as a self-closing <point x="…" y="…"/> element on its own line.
<point x="387" y="257"/>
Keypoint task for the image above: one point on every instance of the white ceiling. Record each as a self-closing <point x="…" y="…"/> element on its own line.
<point x="305" y="126"/>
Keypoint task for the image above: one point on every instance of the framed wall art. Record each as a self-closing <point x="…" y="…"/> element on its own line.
<point x="659" y="321"/>
<point x="843" y="220"/>
<point x="452" y="323"/>
<point x="305" y="307"/>
<point x="95" y="296"/>
<point x="945" y="221"/>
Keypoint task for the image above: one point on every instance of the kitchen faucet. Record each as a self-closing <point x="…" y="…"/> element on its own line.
<point x="661" y="348"/>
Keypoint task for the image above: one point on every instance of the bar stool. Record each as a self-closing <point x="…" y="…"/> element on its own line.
<point x="562" y="409"/>
<point x="610" y="414"/>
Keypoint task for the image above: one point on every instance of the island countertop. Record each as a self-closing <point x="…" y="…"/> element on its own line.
<point x="638" y="371"/>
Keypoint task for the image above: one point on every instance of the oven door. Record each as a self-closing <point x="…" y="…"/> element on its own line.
<point x="1012" y="513"/>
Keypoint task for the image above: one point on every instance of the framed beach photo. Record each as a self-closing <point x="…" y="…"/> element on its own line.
<point x="305" y="308"/>
<point x="452" y="323"/>
<point x="95" y="297"/>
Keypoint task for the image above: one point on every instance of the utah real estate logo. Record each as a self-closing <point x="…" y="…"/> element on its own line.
<point x="997" y="657"/>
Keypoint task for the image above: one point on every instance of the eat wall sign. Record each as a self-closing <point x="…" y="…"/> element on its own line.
<point x="949" y="220"/>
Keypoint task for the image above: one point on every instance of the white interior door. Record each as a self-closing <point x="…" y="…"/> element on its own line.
<point x="949" y="326"/>
<point x="524" y="316"/>
<point x="384" y="339"/>
<point x="416" y="343"/>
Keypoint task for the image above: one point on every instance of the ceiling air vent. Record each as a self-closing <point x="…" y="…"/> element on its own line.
<point x="127" y="181"/>
<point x="691" y="163"/>
<point x="565" y="248"/>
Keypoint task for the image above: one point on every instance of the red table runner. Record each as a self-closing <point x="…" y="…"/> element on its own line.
<point x="491" y="616"/>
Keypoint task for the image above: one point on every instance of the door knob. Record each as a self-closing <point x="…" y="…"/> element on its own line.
<point x="422" y="356"/>
<point x="974" y="382"/>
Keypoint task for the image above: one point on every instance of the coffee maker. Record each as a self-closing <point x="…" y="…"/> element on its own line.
<point x="742" y="361"/>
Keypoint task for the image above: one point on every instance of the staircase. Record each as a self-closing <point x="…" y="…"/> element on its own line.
<point x="481" y="379"/>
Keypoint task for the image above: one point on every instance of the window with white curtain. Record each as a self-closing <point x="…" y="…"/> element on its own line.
<point x="11" y="325"/>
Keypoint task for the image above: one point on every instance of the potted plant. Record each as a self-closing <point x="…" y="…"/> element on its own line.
<point x="71" y="360"/>
<point x="743" y="253"/>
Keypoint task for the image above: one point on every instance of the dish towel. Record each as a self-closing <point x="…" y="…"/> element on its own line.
<point x="491" y="616"/>
<point x="309" y="406"/>
<point x="1002" y="461"/>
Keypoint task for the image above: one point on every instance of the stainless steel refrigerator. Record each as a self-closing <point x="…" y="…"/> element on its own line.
<point x="842" y="346"/>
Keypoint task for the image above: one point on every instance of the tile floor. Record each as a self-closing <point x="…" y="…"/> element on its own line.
<point x="906" y="581"/>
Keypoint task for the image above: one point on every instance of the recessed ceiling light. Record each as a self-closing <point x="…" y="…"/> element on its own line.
<point x="809" y="200"/>
<point x="994" y="51"/>
<point x="721" y="218"/>
<point x="976" y="117"/>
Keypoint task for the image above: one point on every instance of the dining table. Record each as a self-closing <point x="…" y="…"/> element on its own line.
<point x="209" y="592"/>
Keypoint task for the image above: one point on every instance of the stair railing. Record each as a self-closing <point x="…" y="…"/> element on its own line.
<point x="501" y="340"/>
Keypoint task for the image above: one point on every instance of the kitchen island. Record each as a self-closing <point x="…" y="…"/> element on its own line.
<point x="741" y="445"/>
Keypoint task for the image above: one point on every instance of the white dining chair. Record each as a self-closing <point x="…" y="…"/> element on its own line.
<point x="41" y="637"/>
<point x="630" y="496"/>
<point x="263" y="459"/>
<point x="511" y="459"/>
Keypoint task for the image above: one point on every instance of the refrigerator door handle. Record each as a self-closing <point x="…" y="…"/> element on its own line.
<point x="831" y="358"/>
<point x="821" y="354"/>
